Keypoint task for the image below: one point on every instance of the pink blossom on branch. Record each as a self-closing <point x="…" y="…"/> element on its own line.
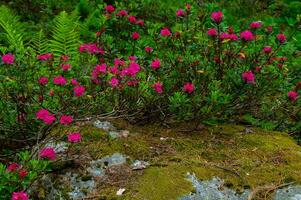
<point x="79" y="90"/>
<point x="135" y="36"/>
<point x="114" y="82"/>
<point x="74" y="137"/>
<point x="256" y="25"/>
<point x="247" y="35"/>
<point x="217" y="17"/>
<point x="180" y="13"/>
<point x="189" y="88"/>
<point x="44" y="57"/>
<point x="281" y="38"/>
<point x="165" y="32"/>
<point x="8" y="59"/>
<point x="158" y="87"/>
<point x="59" y="80"/>
<point x="156" y="64"/>
<point x="19" y="196"/>
<point x="43" y="80"/>
<point x="110" y="8"/>
<point x="66" y="119"/>
<point x="48" y="153"/>
<point x="248" y="77"/>
<point x="212" y="32"/>
<point x="292" y="95"/>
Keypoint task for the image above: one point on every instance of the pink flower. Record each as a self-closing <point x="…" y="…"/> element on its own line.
<point x="101" y="68"/>
<point x="64" y="58"/>
<point x="12" y="167"/>
<point x="188" y="6"/>
<point x="217" y="17"/>
<point x="66" y="67"/>
<point x="148" y="49"/>
<point x="110" y="8"/>
<point x="132" y="19"/>
<point x="156" y="64"/>
<point x="19" y="196"/>
<point x="74" y="81"/>
<point x="74" y="137"/>
<point x="114" y="70"/>
<point x="44" y="57"/>
<point x="132" y="58"/>
<point x="59" y="80"/>
<point x="158" y="87"/>
<point x="248" y="77"/>
<point x="48" y="152"/>
<point x="133" y="69"/>
<point x="292" y="95"/>
<point x="180" y="13"/>
<point x="79" y="91"/>
<point x="114" y="82"/>
<point x="212" y="32"/>
<point x="165" y="32"/>
<point x="189" y="88"/>
<point x="135" y="36"/>
<point x="247" y="35"/>
<point x="8" y="59"/>
<point x="233" y="37"/>
<point x="66" y="119"/>
<point x="140" y="22"/>
<point x="224" y="36"/>
<point x="91" y="48"/>
<point x="23" y="173"/>
<point x="122" y="13"/>
<point x="43" y="80"/>
<point x="256" y="25"/>
<point x="281" y="38"/>
<point x="49" y="119"/>
<point x="267" y="49"/>
<point x="270" y="29"/>
<point x="41" y="114"/>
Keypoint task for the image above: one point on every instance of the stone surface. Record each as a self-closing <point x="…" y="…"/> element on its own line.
<point x="212" y="190"/>
<point x="105" y="125"/>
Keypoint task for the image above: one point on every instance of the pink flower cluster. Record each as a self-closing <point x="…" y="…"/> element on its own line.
<point x="45" y="116"/>
<point x="91" y="48"/>
<point x="66" y="119"/>
<point x="189" y="88"/>
<point x="59" y="80"/>
<point x="247" y="35"/>
<point x="74" y="137"/>
<point x="255" y="25"/>
<point x="156" y="64"/>
<point x="8" y="59"/>
<point x="46" y="56"/>
<point x="48" y="153"/>
<point x="165" y="32"/>
<point x="19" y="196"/>
<point x="43" y="80"/>
<point x="292" y="95"/>
<point x="248" y="77"/>
<point x="217" y="17"/>
<point x="158" y="87"/>
<point x="79" y="90"/>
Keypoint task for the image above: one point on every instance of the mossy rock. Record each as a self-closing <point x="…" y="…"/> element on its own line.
<point x="241" y="158"/>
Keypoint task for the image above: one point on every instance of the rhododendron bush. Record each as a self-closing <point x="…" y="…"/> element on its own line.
<point x="126" y="66"/>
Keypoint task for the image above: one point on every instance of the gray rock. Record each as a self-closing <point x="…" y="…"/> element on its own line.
<point x="138" y="165"/>
<point x="105" y="125"/>
<point x="289" y="193"/>
<point x="212" y="190"/>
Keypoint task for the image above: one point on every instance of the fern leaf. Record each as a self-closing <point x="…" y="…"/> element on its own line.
<point x="12" y="29"/>
<point x="65" y="35"/>
<point x="39" y="43"/>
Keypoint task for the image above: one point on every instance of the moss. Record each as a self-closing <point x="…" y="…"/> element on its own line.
<point x="162" y="183"/>
<point x="243" y="160"/>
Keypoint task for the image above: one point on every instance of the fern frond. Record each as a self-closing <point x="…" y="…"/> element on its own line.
<point x="12" y="29"/>
<point x="65" y="35"/>
<point x="39" y="43"/>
